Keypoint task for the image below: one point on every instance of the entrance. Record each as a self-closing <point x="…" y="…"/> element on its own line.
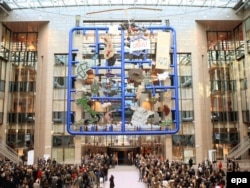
<point x="125" y="155"/>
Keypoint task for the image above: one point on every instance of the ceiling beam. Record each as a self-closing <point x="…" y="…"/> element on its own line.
<point x="242" y="6"/>
<point x="40" y="3"/>
<point x="5" y="6"/>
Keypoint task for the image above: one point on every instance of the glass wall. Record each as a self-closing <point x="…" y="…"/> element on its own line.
<point x="5" y="43"/>
<point x="243" y="69"/>
<point x="184" y="142"/>
<point x="63" y="148"/>
<point x="223" y="96"/>
<point x="4" y="56"/>
<point x="22" y="90"/>
<point x="3" y="65"/>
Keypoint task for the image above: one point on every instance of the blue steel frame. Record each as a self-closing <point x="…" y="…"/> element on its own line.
<point x="153" y="88"/>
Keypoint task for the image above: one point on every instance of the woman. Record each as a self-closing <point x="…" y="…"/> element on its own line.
<point x="111" y="182"/>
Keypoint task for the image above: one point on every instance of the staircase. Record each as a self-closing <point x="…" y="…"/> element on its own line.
<point x="239" y="149"/>
<point x="9" y="153"/>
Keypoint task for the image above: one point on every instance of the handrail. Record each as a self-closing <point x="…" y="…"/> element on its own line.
<point x="239" y="147"/>
<point x="8" y="147"/>
<point x="5" y="151"/>
<point x="239" y="150"/>
<point x="9" y="153"/>
<point x="239" y="144"/>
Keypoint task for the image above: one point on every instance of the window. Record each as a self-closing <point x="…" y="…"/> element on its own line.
<point x="21" y="118"/>
<point x="63" y="141"/>
<point x="5" y="43"/>
<point x="59" y="117"/>
<point x="1" y="110"/>
<point x="183" y="140"/>
<point x="60" y="82"/>
<point x="61" y="59"/>
<point x="187" y="115"/>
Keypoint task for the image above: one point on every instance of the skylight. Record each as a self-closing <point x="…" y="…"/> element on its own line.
<point x="27" y="4"/>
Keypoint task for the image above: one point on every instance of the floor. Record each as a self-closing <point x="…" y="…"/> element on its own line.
<point x="125" y="177"/>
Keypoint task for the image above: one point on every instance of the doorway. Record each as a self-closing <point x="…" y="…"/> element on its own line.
<point x="125" y="155"/>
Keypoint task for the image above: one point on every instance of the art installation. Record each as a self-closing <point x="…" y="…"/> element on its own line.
<point x="122" y="73"/>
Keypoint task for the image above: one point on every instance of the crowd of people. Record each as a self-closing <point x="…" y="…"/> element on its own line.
<point x="49" y="174"/>
<point x="153" y="171"/>
<point x="156" y="173"/>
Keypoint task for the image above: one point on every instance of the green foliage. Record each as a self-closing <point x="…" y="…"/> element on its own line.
<point x="84" y="103"/>
<point x="166" y="123"/>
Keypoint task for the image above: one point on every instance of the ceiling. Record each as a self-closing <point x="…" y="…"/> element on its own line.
<point x="209" y="25"/>
<point x="24" y="4"/>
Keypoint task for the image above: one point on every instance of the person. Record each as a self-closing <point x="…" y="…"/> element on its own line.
<point x="111" y="182"/>
<point x="98" y="176"/>
<point x="59" y="183"/>
<point x="190" y="162"/>
<point x="36" y="184"/>
<point x="220" y="165"/>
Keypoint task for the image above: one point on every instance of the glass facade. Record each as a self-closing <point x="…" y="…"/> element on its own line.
<point x="223" y="54"/>
<point x="4" y="56"/>
<point x="243" y="69"/>
<point x="63" y="148"/>
<point x="184" y="142"/>
<point x="22" y="90"/>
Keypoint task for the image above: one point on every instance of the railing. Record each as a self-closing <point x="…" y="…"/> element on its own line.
<point x="9" y="153"/>
<point x="239" y="149"/>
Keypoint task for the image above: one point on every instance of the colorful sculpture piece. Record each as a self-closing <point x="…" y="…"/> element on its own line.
<point x="82" y="69"/>
<point x="140" y="116"/>
<point x="109" y="51"/>
<point x="83" y="102"/>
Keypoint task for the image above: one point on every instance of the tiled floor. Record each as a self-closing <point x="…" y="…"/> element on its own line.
<point x="125" y="177"/>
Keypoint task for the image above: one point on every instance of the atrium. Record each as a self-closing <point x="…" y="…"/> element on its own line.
<point x="161" y="77"/>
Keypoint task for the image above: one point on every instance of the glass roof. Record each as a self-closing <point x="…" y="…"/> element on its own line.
<point x="24" y="4"/>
